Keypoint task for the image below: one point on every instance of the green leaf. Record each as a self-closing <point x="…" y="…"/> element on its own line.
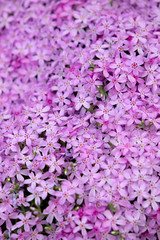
<point x="111" y="2"/>
<point x="34" y="153"/>
<point x="16" y="188"/>
<point x="142" y="124"/>
<point x="102" y="91"/>
<point x="111" y="145"/>
<point x="122" y="238"/>
<point x="7" y="180"/>
<point x="63" y="144"/>
<point x="120" y="235"/>
<point x="112" y="208"/>
<point x="6" y="236"/>
<point x="92" y="65"/>
<point x="22" y="145"/>
<point x="67" y="66"/>
<point x="91" y="69"/>
<point x="23" y="210"/>
<point x="38" y="209"/>
<point x="91" y="109"/>
<point x="98" y="124"/>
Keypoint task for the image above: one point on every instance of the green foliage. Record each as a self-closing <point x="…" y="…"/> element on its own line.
<point x="112" y="208"/>
<point x="102" y="91"/>
<point x="92" y="67"/>
<point x="111" y="2"/>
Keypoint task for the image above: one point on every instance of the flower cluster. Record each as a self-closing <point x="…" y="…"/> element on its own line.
<point x="79" y="120"/>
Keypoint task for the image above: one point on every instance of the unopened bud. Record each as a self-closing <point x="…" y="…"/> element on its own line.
<point x="59" y="188"/>
<point x="76" y="208"/>
<point x="65" y="171"/>
<point x="115" y="233"/>
<point x="49" y="228"/>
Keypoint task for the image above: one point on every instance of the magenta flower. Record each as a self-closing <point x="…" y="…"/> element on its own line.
<point x="134" y="64"/>
<point x="115" y="82"/>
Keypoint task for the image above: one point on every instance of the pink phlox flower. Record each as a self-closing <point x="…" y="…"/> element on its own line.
<point x="51" y="211"/>
<point x="150" y="71"/>
<point x="99" y="47"/>
<point x="56" y="165"/>
<point x="21" y="199"/>
<point x="139" y="191"/>
<point x="65" y="194"/>
<point x="41" y="56"/>
<point x="113" y="220"/>
<point x="19" y="235"/>
<point x="46" y="188"/>
<point x="140" y="174"/>
<point x="118" y="66"/>
<point x="154" y="119"/>
<point x="35" y="194"/>
<point x="153" y="200"/>
<point x="74" y="185"/>
<point x="39" y="110"/>
<point x="134" y="64"/>
<point x="27" y="136"/>
<point x="82" y="100"/>
<point x="34" y="235"/>
<point x="126" y="146"/>
<point x="106" y="25"/>
<point x="115" y="82"/>
<point x="104" y="111"/>
<point x="120" y="187"/>
<point x="25" y="221"/>
<point x="134" y="220"/>
<point x="91" y="176"/>
<point x="154" y="82"/>
<point x="33" y="179"/>
<point x="62" y="98"/>
<point x="82" y="226"/>
<point x="138" y="36"/>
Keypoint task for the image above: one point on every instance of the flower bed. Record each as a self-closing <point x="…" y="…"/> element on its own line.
<point x="79" y="120"/>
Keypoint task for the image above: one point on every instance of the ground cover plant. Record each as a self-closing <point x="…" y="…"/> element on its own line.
<point x="79" y="119"/>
